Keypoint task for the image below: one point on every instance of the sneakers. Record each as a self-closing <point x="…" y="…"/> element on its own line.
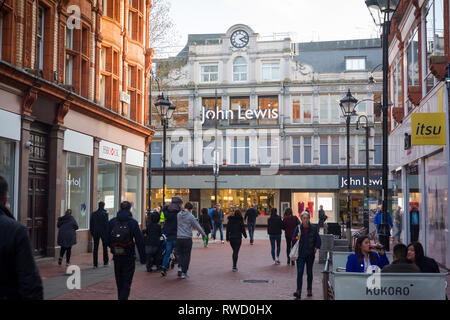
<point x="251" y="243"/>
<point x="164" y="272"/>
<point x="180" y="272"/>
<point x="234" y="269"/>
<point x="274" y="262"/>
<point x="184" y="276"/>
<point x="278" y="261"/>
<point x="223" y="242"/>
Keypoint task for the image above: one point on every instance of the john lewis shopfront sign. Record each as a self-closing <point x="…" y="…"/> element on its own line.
<point x="359" y="182"/>
<point x="240" y="114"/>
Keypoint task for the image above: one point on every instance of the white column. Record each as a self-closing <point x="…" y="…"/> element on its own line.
<point x="405" y="205"/>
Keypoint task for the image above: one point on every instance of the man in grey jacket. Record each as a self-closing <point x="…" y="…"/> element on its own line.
<point x="185" y="223"/>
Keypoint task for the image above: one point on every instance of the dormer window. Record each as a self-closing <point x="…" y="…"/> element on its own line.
<point x="355" y="64"/>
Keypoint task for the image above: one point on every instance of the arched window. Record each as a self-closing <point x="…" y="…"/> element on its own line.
<point x="240" y="69"/>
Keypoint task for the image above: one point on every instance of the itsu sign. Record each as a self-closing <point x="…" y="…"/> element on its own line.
<point x="110" y="151"/>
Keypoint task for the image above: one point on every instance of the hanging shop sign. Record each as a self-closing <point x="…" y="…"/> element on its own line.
<point x="109" y="151"/>
<point x="239" y="114"/>
<point x="428" y="129"/>
<point x="359" y="182"/>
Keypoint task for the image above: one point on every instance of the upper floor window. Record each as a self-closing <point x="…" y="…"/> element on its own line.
<point x="179" y="152"/>
<point x="355" y="63"/>
<point x="40" y="39"/>
<point x="109" y="78"/>
<point x="268" y="108"/>
<point x="135" y="20"/>
<point x="210" y="103"/>
<point x="240" y="69"/>
<point x="134" y="111"/>
<point x="111" y="9"/>
<point x="156" y="149"/>
<point x="301" y="150"/>
<point x="268" y="150"/>
<point x="240" y="150"/>
<point x="329" y="150"/>
<point x="77" y="59"/>
<point x="398" y="84"/>
<point x="412" y="61"/>
<point x="302" y="109"/>
<point x="329" y="108"/>
<point x="209" y="73"/>
<point x="242" y="104"/>
<point x="271" y="71"/>
<point x="378" y="144"/>
<point x="212" y="153"/>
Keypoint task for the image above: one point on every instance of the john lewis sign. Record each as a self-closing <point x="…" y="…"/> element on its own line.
<point x="359" y="182"/>
<point x="240" y="114"/>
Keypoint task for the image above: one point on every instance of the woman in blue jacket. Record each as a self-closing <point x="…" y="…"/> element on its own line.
<point x="365" y="257"/>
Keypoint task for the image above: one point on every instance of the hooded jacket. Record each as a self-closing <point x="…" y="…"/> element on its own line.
<point x="19" y="275"/>
<point x="67" y="234"/>
<point x="136" y="234"/>
<point x="185" y="222"/>
<point x="153" y="230"/>
<point x="99" y="223"/>
<point x="170" y="223"/>
<point x="235" y="228"/>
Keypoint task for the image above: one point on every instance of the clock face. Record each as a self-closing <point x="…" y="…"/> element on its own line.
<point x="239" y="39"/>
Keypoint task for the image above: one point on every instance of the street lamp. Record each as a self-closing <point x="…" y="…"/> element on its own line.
<point x="165" y="110"/>
<point x="348" y="104"/>
<point x="382" y="12"/>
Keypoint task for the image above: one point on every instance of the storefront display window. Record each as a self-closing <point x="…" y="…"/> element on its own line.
<point x="78" y="188"/>
<point x="157" y="196"/>
<point x="133" y="190"/>
<point x="312" y="201"/>
<point x="7" y="168"/>
<point x="108" y="186"/>
<point x="415" y="198"/>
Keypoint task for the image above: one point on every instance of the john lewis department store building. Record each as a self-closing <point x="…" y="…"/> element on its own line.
<point x="277" y="131"/>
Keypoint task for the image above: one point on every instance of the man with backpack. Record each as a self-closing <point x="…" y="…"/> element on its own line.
<point x="123" y="235"/>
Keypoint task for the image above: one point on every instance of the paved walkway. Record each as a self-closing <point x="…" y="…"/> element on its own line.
<point x="210" y="272"/>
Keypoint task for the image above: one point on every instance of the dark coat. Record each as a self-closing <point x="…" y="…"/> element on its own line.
<point x="67" y="234"/>
<point x="309" y="240"/>
<point x="289" y="225"/>
<point x="205" y="223"/>
<point x="274" y="226"/>
<point x="126" y="216"/>
<point x="401" y="266"/>
<point x="428" y="265"/>
<point x="218" y="216"/>
<point x="235" y="228"/>
<point x="19" y="275"/>
<point x="251" y="215"/>
<point x="170" y="224"/>
<point x="99" y="223"/>
<point x="322" y="218"/>
<point x="153" y="230"/>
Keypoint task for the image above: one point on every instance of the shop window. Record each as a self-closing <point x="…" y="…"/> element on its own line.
<point x="378" y="144"/>
<point x="179" y="152"/>
<point x="211" y="103"/>
<point x="240" y="150"/>
<point x="268" y="150"/>
<point x="209" y="73"/>
<point x="7" y="168"/>
<point x="108" y="186"/>
<point x="78" y="188"/>
<point x="434" y="29"/>
<point x="239" y="103"/>
<point x="133" y="190"/>
<point x="268" y="106"/>
<point x="157" y="153"/>
<point x="211" y="153"/>
<point x="271" y="71"/>
<point x="302" y="109"/>
<point x="312" y="201"/>
<point x="355" y="64"/>
<point x="240" y="69"/>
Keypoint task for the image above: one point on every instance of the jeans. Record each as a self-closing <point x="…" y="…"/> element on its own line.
<point x="301" y="261"/>
<point x="124" y="272"/>
<point x="220" y="227"/>
<point x="235" y="245"/>
<point x="170" y="245"/>
<point x="67" y="251"/>
<point x="397" y="231"/>
<point x="153" y="256"/>
<point x="105" y="250"/>
<point x="184" y="247"/>
<point x="251" y="230"/>
<point x="414" y="232"/>
<point x="288" y="246"/>
<point x="275" y="239"/>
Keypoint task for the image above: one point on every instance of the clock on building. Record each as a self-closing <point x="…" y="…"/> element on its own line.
<point x="239" y="39"/>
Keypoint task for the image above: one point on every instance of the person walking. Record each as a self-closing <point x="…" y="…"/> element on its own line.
<point x="322" y="218"/>
<point x="185" y="223"/>
<point x="19" y="275"/>
<point x="250" y="218"/>
<point x="218" y="217"/>
<point x="152" y="241"/>
<point x="379" y="219"/>
<point x="365" y="257"/>
<point x="97" y="227"/>
<point x="417" y="256"/>
<point x="309" y="242"/>
<point x="274" y="227"/>
<point x="397" y="224"/>
<point x="415" y="223"/>
<point x="234" y="233"/>
<point x="206" y="224"/>
<point x="123" y="235"/>
<point x="170" y="230"/>
<point x="67" y="235"/>
<point x="400" y="264"/>
<point x="290" y="223"/>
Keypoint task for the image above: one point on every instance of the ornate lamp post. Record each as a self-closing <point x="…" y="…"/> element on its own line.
<point x="382" y="12"/>
<point x="165" y="110"/>
<point x="348" y="104"/>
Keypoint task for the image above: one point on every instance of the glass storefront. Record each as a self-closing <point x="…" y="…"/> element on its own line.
<point x="78" y="188"/>
<point x="108" y="186"/>
<point x="157" y="196"/>
<point x="7" y="168"/>
<point x="133" y="190"/>
<point x="312" y="201"/>
<point x="415" y="198"/>
<point x="357" y="205"/>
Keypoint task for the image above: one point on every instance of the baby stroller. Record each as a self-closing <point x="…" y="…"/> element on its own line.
<point x="172" y="257"/>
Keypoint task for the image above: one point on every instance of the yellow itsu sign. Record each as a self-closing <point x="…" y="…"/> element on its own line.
<point x="428" y="129"/>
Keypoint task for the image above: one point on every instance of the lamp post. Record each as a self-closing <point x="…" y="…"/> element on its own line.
<point x="382" y="12"/>
<point x="348" y="104"/>
<point x="366" y="188"/>
<point x="165" y="110"/>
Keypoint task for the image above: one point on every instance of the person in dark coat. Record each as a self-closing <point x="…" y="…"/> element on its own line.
<point x="152" y="240"/>
<point x="310" y="242"/>
<point x="250" y="218"/>
<point x="400" y="264"/>
<point x="235" y="231"/>
<point x="274" y="227"/>
<point x="322" y="217"/>
<point x="170" y="230"/>
<point x="417" y="256"/>
<point x="290" y="222"/>
<point x="19" y="275"/>
<point x="124" y="254"/>
<point x="414" y="219"/>
<point x="97" y="227"/>
<point x="206" y="224"/>
<point x="218" y="217"/>
<point x="67" y="235"/>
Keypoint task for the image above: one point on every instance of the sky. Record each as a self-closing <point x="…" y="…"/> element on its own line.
<point x="306" y="20"/>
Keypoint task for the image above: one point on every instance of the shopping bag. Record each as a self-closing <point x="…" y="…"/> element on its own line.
<point x="293" y="255"/>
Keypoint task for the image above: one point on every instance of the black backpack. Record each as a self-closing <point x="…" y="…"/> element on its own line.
<point x="121" y="239"/>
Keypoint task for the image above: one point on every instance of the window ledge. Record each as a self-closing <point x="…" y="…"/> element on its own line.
<point x="438" y="66"/>
<point x="415" y="94"/>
